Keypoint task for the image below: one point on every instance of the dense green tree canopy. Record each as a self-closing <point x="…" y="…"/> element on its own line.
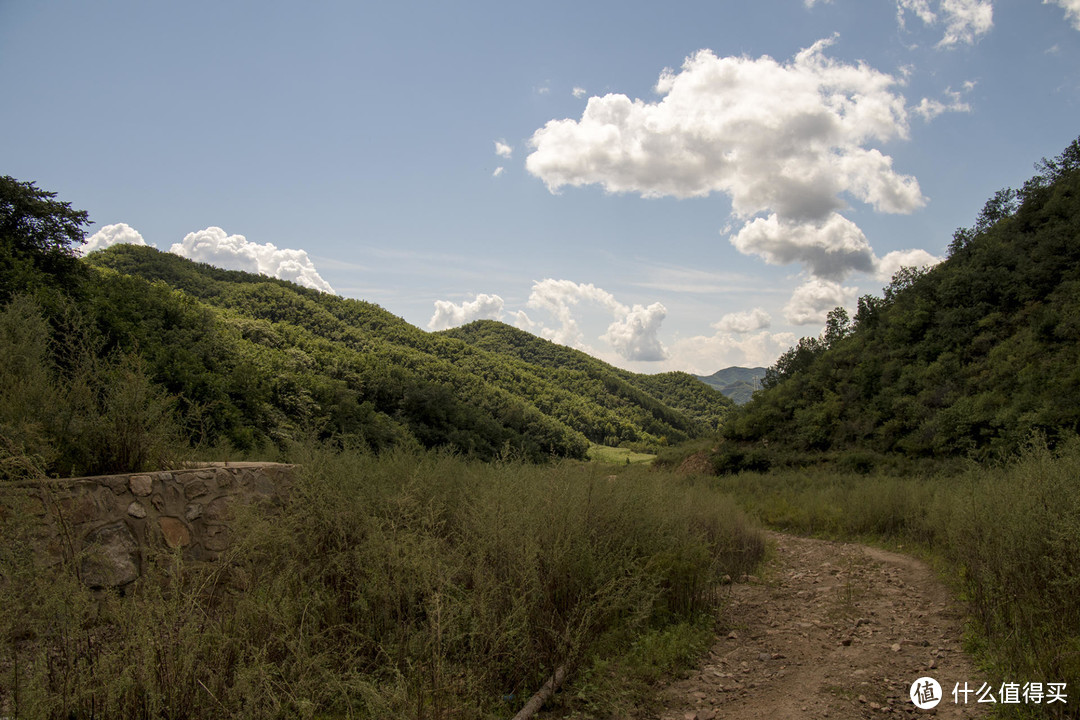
<point x="38" y="238"/>
<point x="970" y="358"/>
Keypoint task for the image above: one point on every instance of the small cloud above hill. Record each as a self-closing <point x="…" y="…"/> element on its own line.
<point x="448" y="314"/>
<point x="119" y="233"/>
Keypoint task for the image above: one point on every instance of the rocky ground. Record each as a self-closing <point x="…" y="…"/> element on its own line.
<point x="830" y="630"/>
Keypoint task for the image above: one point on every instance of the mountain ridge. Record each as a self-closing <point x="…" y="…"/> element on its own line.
<point x="736" y="382"/>
<point x="435" y="387"/>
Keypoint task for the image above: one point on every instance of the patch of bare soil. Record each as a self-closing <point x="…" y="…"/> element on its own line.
<point x="830" y="630"/>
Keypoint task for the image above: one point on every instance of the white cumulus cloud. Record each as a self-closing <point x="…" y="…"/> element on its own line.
<point x="522" y="321"/>
<point x="785" y="137"/>
<point x="112" y="235"/>
<point x="579" y="92"/>
<point x="830" y="249"/>
<point x="812" y="301"/>
<point x="633" y="332"/>
<point x="1072" y="10"/>
<point x="888" y="265"/>
<point x="448" y="314"/>
<point x="235" y="252"/>
<point x="634" y="336"/>
<point x="744" y="322"/>
<point x="558" y="297"/>
<point x="503" y="150"/>
<point x="789" y="140"/>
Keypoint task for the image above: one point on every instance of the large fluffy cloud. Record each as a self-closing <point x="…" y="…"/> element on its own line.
<point x="235" y="252"/>
<point x="634" y="336"/>
<point x="558" y="297"/>
<point x="812" y="301"/>
<point x="830" y="249"/>
<point x="633" y="332"/>
<point x="448" y="314"/>
<point x="782" y="137"/>
<point x="786" y="140"/>
<point x="744" y="322"/>
<point x="112" y="235"/>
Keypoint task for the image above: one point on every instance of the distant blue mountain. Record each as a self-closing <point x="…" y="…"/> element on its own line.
<point x="737" y="383"/>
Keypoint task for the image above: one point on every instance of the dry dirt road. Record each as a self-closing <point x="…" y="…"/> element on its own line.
<point x="830" y="630"/>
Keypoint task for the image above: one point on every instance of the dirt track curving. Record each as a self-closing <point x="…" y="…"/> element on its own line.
<point x="830" y="630"/>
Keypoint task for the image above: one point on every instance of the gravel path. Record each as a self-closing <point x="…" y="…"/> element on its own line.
<point x="831" y="630"/>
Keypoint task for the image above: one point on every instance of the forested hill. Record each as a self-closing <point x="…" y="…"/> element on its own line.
<point x="971" y="358"/>
<point x="673" y="398"/>
<point x="279" y="357"/>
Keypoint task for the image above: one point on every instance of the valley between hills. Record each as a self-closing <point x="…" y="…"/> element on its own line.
<point x="447" y="545"/>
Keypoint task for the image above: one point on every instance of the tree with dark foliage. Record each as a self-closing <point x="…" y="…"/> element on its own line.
<point x="39" y="236"/>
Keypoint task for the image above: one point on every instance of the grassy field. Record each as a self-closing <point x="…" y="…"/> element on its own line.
<point x="618" y="456"/>
<point x="411" y="585"/>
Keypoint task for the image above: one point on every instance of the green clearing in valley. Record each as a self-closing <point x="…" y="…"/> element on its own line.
<point x="620" y="456"/>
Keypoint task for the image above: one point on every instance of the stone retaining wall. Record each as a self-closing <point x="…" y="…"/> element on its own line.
<point x="106" y="524"/>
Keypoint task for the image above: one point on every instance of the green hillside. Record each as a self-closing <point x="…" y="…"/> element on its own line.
<point x="243" y="361"/>
<point x="971" y="358"/>
<point x="676" y="403"/>
<point x="603" y="403"/>
<point x="737" y="383"/>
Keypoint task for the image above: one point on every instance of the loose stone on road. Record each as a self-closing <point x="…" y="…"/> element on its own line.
<point x="830" y="630"/>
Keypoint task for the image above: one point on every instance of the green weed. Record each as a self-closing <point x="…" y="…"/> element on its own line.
<point x="412" y="584"/>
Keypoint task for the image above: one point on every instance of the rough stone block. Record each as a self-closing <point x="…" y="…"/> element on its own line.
<point x="141" y="485"/>
<point x="217" y="510"/>
<point x="224" y="478"/>
<point x="136" y="509"/>
<point x="175" y="532"/>
<point x="195" y="488"/>
<point x="216" y="537"/>
<point x="79" y="509"/>
<point x="117" y="483"/>
<point x="112" y="557"/>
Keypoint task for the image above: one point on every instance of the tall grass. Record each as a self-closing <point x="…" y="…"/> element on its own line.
<point x="1008" y="536"/>
<point x="412" y="585"/>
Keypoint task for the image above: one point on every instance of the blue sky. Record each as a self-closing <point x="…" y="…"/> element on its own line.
<point x="677" y="186"/>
